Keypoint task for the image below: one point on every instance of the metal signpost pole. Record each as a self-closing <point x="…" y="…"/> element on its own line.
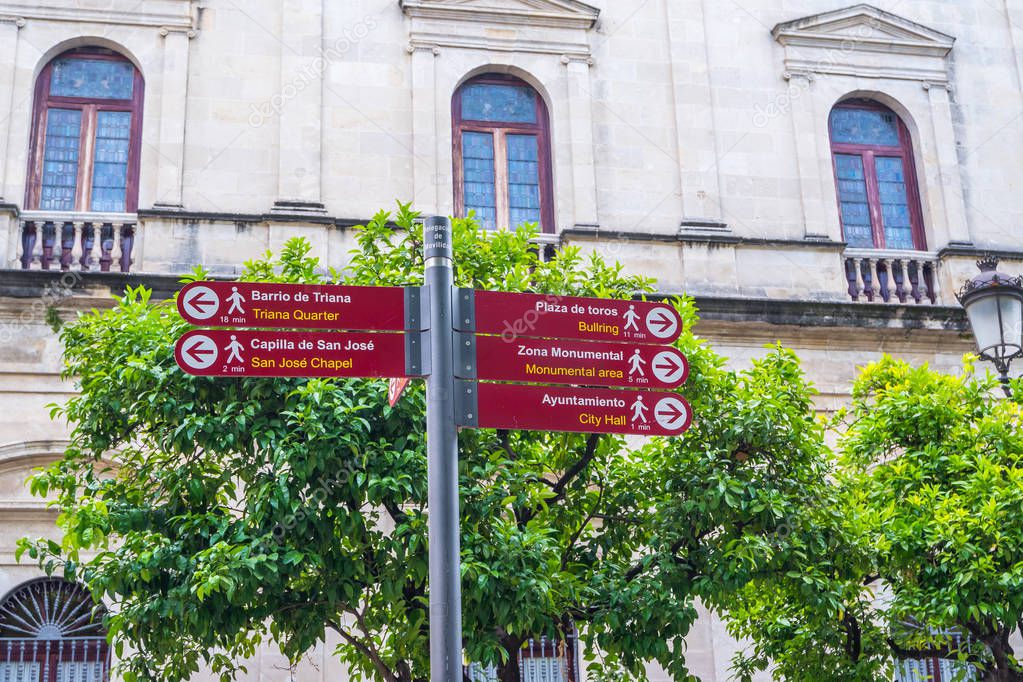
<point x="442" y="460"/>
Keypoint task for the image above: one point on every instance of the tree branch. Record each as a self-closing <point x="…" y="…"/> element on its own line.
<point x="638" y="567"/>
<point x="853" y="637"/>
<point x="524" y="516"/>
<point x="591" y="450"/>
<point x="946" y="651"/>
<point x="366" y="651"/>
<point x="582" y="526"/>
<point x="396" y="514"/>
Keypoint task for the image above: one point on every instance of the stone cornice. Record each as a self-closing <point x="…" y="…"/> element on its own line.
<point x="169" y="14"/>
<point x="830" y="314"/>
<point x="533" y="13"/>
<point x="694" y="237"/>
<point x="435" y="41"/>
<point x="807" y="313"/>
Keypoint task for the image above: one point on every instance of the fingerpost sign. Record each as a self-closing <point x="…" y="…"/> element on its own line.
<point x="300" y="306"/>
<point x="260" y="353"/>
<point x="513" y="316"/>
<point x="586" y="410"/>
<point x="583" y="365"/>
<point x="555" y="361"/>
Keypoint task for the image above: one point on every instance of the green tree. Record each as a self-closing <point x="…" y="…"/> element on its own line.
<point x="927" y="545"/>
<point x="252" y="509"/>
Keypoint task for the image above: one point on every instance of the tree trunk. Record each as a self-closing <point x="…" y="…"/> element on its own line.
<point x="1001" y="651"/>
<point x="509" y="672"/>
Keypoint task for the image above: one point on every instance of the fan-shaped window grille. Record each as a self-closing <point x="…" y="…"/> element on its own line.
<point x="52" y="631"/>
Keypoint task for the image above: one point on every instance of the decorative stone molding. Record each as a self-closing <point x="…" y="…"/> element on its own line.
<point x="864" y="41"/>
<point x="175" y="14"/>
<point x="423" y="46"/>
<point x="557" y="27"/>
<point x="549" y="13"/>
<point x="19" y="22"/>
<point x="567" y="59"/>
<point x="167" y="30"/>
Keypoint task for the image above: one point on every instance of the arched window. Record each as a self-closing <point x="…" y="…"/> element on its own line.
<point x="502" y="153"/>
<point x="879" y="202"/>
<point x="86" y="134"/>
<point x="52" y="631"/>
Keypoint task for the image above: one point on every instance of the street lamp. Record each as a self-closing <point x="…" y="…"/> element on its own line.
<point x="994" y="304"/>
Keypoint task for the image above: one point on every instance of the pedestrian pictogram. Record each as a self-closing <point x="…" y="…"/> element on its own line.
<point x="236" y="300"/>
<point x="639" y="410"/>
<point x="200" y="303"/>
<point x="234" y="351"/>
<point x="636" y="363"/>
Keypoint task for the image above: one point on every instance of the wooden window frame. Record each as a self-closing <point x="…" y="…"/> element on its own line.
<point x="90" y="108"/>
<point x="499" y="130"/>
<point x="868" y="153"/>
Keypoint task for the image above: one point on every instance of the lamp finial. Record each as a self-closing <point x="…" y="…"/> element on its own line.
<point x="988" y="263"/>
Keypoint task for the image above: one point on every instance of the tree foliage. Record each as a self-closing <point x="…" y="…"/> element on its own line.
<point x="926" y="556"/>
<point x="243" y="510"/>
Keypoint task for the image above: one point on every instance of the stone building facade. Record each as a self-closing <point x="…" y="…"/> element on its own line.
<point x="813" y="171"/>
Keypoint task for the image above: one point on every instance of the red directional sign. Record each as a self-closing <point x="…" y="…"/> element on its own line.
<point x="552" y="361"/>
<point x="241" y="353"/>
<point x="591" y="319"/>
<point x="587" y="410"/>
<point x="293" y="306"/>
<point x="395" y="388"/>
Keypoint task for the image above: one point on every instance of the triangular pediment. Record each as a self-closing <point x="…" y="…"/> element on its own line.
<point x="866" y="28"/>
<point x="559" y="13"/>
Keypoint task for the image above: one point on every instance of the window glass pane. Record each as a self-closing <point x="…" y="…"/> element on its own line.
<point x="478" y="183"/>
<point x="891" y="184"/>
<point x="523" y="179"/>
<point x="504" y="103"/>
<point x="92" y="78"/>
<point x="60" y="159"/>
<point x="852" y="196"/>
<point x="110" y="163"/>
<point x="864" y="126"/>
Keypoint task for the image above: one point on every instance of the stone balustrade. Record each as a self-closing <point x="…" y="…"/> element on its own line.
<point x="891" y="276"/>
<point x="79" y="241"/>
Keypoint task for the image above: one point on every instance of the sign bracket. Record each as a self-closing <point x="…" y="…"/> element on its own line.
<point x="465" y="355"/>
<point x="417" y="310"/>
<point x="465" y="310"/>
<point x="466" y="404"/>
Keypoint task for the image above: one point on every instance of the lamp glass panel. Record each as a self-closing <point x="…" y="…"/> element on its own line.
<point x="983" y="314"/>
<point x="1012" y="323"/>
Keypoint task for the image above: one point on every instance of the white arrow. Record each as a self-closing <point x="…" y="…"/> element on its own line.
<point x="671" y="414"/>
<point x="661" y="323"/>
<point x="199" y="352"/>
<point x="201" y="303"/>
<point x="668" y="366"/>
